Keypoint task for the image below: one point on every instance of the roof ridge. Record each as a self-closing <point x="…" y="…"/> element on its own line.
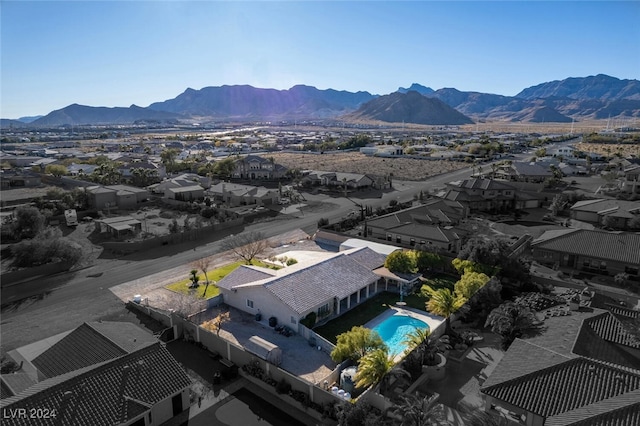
<point x="105" y="337"/>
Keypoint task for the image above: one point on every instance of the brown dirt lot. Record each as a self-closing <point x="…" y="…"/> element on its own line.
<point x="354" y="162"/>
<point x="626" y="150"/>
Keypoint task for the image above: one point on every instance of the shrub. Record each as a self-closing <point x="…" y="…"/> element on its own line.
<point x="310" y="320"/>
<point x="283" y="387"/>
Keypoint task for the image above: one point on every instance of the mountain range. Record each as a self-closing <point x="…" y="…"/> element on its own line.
<point x="593" y="97"/>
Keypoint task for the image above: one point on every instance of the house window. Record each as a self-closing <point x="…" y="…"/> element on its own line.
<point x="412" y="242"/>
<point x="250" y="303"/>
<point x="388" y="237"/>
<point x="323" y="311"/>
<point x="603" y="266"/>
<point x="293" y="320"/>
<point x="631" y="271"/>
<point x="398" y="239"/>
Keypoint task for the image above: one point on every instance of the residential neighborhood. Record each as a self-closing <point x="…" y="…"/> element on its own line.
<point x="238" y="272"/>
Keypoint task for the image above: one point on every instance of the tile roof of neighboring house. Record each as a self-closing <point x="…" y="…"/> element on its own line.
<point x="623" y="410"/>
<point x="561" y="332"/>
<point x="190" y="188"/>
<point x="484" y="184"/>
<point x="608" y="207"/>
<point x="108" y="393"/>
<point x="14" y="383"/>
<point x="89" y="344"/>
<point x="615" y="246"/>
<point x="523" y="358"/>
<point x="530" y="169"/>
<point x="610" y="329"/>
<point x="603" y="338"/>
<point x="564" y="387"/>
<point x="427" y="232"/>
<point x="126" y="188"/>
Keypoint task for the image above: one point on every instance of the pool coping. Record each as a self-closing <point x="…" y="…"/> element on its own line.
<point x="433" y="321"/>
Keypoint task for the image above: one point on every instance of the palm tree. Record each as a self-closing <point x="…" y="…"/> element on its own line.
<point x="373" y="367"/>
<point x="511" y="320"/>
<point x="415" y="342"/>
<point x="482" y="418"/>
<point x="443" y="302"/>
<point x="416" y="411"/>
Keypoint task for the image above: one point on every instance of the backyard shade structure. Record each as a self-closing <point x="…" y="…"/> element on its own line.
<point x="264" y="349"/>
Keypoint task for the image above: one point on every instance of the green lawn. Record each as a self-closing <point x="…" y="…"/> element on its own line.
<point x="214" y="276"/>
<point x="441" y="281"/>
<point x="365" y="312"/>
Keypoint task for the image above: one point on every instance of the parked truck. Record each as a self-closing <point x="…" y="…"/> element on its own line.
<point x="71" y="217"/>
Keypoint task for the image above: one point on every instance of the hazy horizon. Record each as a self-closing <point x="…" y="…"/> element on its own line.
<point x="121" y="53"/>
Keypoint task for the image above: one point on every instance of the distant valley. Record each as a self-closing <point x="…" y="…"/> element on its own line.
<point x="572" y="99"/>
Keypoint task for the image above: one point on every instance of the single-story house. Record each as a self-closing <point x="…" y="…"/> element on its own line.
<point x="19" y="179"/>
<point x="340" y="180"/>
<point x="234" y="194"/>
<point x="185" y="193"/>
<point x="119" y="226"/>
<point x="115" y="196"/>
<point x="618" y="212"/>
<point x="326" y="283"/>
<point x="606" y="253"/>
<point x="524" y="172"/>
<point x="101" y="373"/>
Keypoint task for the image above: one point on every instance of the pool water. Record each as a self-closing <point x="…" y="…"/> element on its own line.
<point x="395" y="329"/>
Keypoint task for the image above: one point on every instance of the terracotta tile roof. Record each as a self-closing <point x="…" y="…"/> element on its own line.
<point x="108" y="393"/>
<point x="5" y="392"/>
<point x="623" y="410"/>
<point x="17" y="382"/>
<point x="485" y="184"/>
<point x="523" y="358"/>
<point x="564" y="387"/>
<point x="127" y="336"/>
<point x="90" y="344"/>
<point x="621" y="247"/>
<point x="561" y="332"/>
<point x="81" y="348"/>
<point x="603" y="338"/>
<point x="610" y="329"/>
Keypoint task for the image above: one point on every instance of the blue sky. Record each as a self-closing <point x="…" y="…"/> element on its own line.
<point x="118" y="53"/>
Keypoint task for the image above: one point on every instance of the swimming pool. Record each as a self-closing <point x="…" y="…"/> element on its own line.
<point x="395" y="329"/>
